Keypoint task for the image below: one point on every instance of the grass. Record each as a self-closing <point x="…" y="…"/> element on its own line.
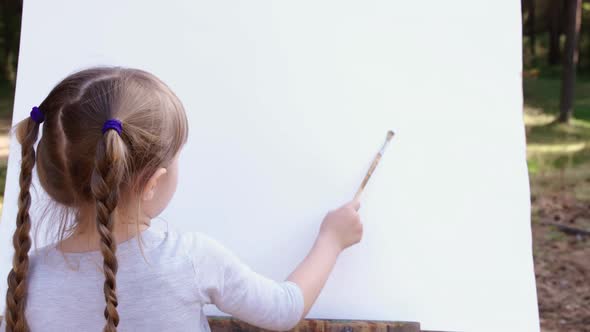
<point x="558" y="154"/>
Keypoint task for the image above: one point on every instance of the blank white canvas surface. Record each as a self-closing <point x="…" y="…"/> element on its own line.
<point x="289" y="101"/>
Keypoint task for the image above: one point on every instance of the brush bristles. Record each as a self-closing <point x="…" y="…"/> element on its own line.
<point x="387" y="140"/>
<point x="390" y="135"/>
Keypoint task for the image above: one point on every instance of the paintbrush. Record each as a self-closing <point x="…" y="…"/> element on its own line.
<point x="374" y="165"/>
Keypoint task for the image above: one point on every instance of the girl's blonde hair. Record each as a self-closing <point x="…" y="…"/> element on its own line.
<point x="79" y="166"/>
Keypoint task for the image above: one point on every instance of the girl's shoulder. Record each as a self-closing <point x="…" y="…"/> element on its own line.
<point x="201" y="245"/>
<point x="197" y="246"/>
<point x="211" y="260"/>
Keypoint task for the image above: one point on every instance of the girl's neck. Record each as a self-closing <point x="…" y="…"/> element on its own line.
<point x="86" y="237"/>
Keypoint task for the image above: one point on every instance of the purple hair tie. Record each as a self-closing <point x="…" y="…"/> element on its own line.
<point x="113" y="124"/>
<point x="37" y="115"/>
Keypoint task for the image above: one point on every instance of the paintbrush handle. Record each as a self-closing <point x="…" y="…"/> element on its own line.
<point x="368" y="176"/>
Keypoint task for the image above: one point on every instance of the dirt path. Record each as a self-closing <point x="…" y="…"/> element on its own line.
<point x="562" y="262"/>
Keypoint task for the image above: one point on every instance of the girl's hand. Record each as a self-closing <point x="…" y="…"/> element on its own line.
<point x="342" y="227"/>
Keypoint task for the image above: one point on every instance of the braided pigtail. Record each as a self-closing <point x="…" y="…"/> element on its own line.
<point x="16" y="296"/>
<point x="107" y="177"/>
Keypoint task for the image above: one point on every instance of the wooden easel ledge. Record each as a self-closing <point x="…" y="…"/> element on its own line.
<point x="228" y="324"/>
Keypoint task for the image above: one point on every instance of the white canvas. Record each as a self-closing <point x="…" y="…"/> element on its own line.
<point x="289" y="101"/>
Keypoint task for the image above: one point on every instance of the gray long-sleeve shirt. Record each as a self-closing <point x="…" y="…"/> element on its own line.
<point x="162" y="289"/>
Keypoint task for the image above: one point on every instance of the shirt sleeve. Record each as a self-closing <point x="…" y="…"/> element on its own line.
<point x="222" y="279"/>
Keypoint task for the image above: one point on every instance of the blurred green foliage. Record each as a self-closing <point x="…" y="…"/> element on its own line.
<point x="10" y="24"/>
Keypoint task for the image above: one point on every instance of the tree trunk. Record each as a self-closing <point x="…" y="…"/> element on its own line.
<point x="555" y="18"/>
<point x="570" y="59"/>
<point x="531" y="25"/>
<point x="527" y="8"/>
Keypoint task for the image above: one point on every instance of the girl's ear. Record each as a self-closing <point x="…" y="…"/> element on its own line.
<point x="150" y="188"/>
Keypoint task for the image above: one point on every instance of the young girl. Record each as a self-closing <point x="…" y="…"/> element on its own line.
<point x="108" y="158"/>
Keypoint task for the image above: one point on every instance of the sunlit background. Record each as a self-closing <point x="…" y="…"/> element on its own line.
<point x="556" y="88"/>
<point x="557" y="38"/>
